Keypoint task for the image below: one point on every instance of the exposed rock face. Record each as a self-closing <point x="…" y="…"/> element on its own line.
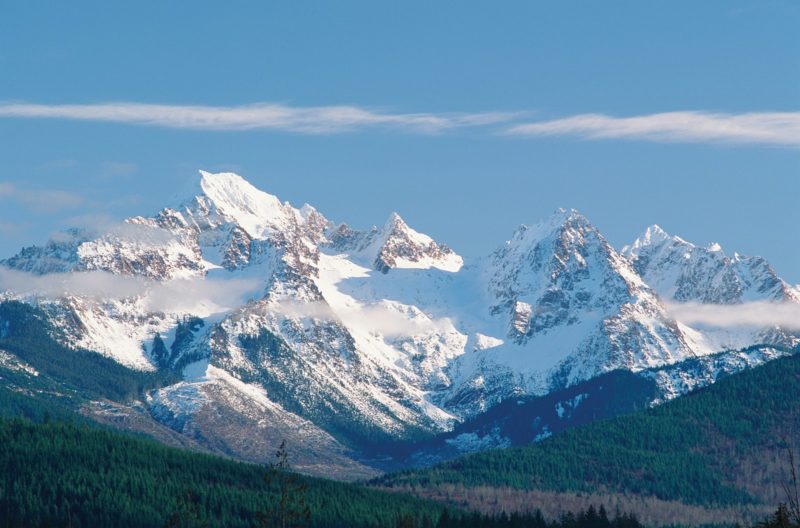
<point x="683" y="272"/>
<point x="278" y="319"/>
<point x="574" y="308"/>
<point x="400" y="246"/>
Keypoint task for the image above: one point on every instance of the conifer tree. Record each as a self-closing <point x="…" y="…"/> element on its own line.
<point x="291" y="510"/>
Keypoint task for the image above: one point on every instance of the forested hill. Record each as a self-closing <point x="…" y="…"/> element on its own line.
<point x="721" y="445"/>
<point x="58" y="474"/>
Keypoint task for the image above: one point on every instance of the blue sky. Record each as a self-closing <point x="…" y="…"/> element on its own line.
<point x="466" y="118"/>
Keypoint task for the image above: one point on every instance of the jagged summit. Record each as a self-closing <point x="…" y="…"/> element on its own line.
<point x="562" y="216"/>
<point x="681" y="271"/>
<point x="394" y="222"/>
<point x="560" y="221"/>
<point x="233" y="198"/>
<point x="561" y="273"/>
<point x="384" y="332"/>
<point x="563" y="243"/>
<point x="400" y="246"/>
<point x="653" y="236"/>
<point x="656" y="237"/>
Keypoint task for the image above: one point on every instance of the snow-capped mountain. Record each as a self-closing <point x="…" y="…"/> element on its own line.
<point x="684" y="273"/>
<point x="681" y="271"/>
<point x="569" y="307"/>
<point x="277" y="318"/>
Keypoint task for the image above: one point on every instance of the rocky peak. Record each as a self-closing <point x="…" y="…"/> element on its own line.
<point x="550" y="273"/>
<point x="564" y="249"/>
<point x="681" y="271"/>
<point x="399" y="246"/>
<point x="58" y="255"/>
<point x="234" y="223"/>
<point x="653" y="236"/>
<point x="228" y="198"/>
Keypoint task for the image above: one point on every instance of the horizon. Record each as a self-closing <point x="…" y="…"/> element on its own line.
<point x="466" y="122"/>
<point x="408" y="264"/>
<point x="98" y="224"/>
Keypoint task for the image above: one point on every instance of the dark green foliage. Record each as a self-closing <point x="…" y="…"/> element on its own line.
<point x="159" y="352"/>
<point x="291" y="508"/>
<point x="15" y="404"/>
<point x="184" y="334"/>
<point x="55" y="473"/>
<point x="521" y="419"/>
<point x="27" y="333"/>
<point x="187" y="513"/>
<point x="58" y="474"/>
<point x="591" y="518"/>
<point x="687" y="449"/>
<point x="782" y="518"/>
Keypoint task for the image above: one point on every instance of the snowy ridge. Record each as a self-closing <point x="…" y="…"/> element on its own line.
<point x="395" y="245"/>
<point x="384" y="333"/>
<point x="569" y="308"/>
<point x="682" y="272"/>
<point x="675" y="381"/>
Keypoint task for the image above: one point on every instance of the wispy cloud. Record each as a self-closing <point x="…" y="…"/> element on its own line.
<point x="59" y="164"/>
<point x="40" y="200"/>
<point x="101" y="225"/>
<point x="307" y="120"/>
<point x="208" y="295"/>
<point x="97" y="284"/>
<point x="759" y="314"/>
<point x="773" y="128"/>
<point x="770" y="128"/>
<point x="10" y="228"/>
<point x="178" y="295"/>
<point x="377" y="318"/>
<point x="117" y="169"/>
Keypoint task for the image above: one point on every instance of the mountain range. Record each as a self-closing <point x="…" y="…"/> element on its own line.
<point x="261" y="322"/>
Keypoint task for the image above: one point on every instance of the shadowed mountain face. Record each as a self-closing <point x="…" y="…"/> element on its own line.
<point x="716" y="455"/>
<point x="275" y="322"/>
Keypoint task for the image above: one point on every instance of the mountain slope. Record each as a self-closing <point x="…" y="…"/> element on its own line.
<point x="58" y="474"/>
<point x="720" y="445"/>
<point x="270" y="320"/>
<point x="572" y="308"/>
<point x="38" y="375"/>
<point x="682" y="272"/>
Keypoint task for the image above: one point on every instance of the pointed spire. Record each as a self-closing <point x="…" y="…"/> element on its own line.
<point x="401" y="246"/>
<point x="395" y="221"/>
<point x="654" y="233"/>
<point x="237" y="200"/>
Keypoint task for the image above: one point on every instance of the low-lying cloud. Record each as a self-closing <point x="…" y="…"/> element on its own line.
<point x="178" y="295"/>
<point x="205" y="296"/>
<point x="100" y="225"/>
<point x="377" y="318"/>
<point x="200" y="295"/>
<point x="94" y="284"/>
<point x="773" y="128"/>
<point x="268" y="116"/>
<point x="759" y="314"/>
